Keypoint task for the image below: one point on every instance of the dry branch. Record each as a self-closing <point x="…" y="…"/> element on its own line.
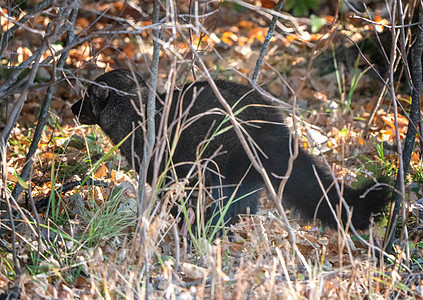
<point x="414" y="119"/>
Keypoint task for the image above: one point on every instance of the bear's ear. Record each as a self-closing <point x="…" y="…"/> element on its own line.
<point x="100" y="91"/>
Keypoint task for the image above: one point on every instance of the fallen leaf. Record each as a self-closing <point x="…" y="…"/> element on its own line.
<point x="192" y="271"/>
<point x="101" y="171"/>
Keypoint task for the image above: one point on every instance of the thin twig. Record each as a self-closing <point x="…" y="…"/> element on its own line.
<point x="266" y="42"/>
<point x="150" y="111"/>
<point x="46" y="104"/>
<point x="9" y="211"/>
<point x="38" y="8"/>
<point x="416" y="56"/>
<point x="384" y="25"/>
<point x="22" y="98"/>
<point x="61" y="25"/>
<point x="38" y="223"/>
<point x="177" y="249"/>
<point x="399" y="182"/>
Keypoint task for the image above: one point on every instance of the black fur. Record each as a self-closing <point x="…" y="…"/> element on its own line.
<point x="263" y="122"/>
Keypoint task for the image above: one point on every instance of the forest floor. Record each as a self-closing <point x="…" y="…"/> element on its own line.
<point x="85" y="244"/>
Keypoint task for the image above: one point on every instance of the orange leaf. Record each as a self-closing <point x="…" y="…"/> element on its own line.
<point x="101" y="171"/>
<point x="47" y="156"/>
<point x="390" y="120"/>
<point x="99" y="195"/>
<point x="82" y="23"/>
<point x="229" y="38"/>
<point x="129" y="50"/>
<point x="118" y="5"/>
<point x="236" y="247"/>
<point x="257" y="33"/>
<point x="244" y="70"/>
<point x="380" y="20"/>
<point x="246" y="24"/>
<point x="118" y="176"/>
<point x="329" y="18"/>
<point x="23" y="54"/>
<point x="415" y="157"/>
<point x="270" y="4"/>
<point x="385" y="135"/>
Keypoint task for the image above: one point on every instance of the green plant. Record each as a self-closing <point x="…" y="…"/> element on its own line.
<point x="356" y="76"/>
<point x="206" y="233"/>
<point x="387" y="166"/>
<point x="301" y="7"/>
<point x="316" y="23"/>
<point x="108" y="219"/>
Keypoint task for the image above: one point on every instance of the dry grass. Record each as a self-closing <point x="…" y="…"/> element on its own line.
<point x="87" y="246"/>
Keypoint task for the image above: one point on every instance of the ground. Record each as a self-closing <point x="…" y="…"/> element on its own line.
<point x="87" y="246"/>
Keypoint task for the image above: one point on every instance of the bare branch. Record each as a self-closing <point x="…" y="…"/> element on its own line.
<point x="267" y="41"/>
<point x="404" y="159"/>
<point x="46" y="104"/>
<point x="151" y="111"/>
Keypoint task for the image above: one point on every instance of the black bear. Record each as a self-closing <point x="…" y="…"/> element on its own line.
<point x="113" y="103"/>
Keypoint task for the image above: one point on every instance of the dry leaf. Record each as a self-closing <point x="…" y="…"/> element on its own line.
<point x="101" y="171"/>
<point x="193" y="272"/>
